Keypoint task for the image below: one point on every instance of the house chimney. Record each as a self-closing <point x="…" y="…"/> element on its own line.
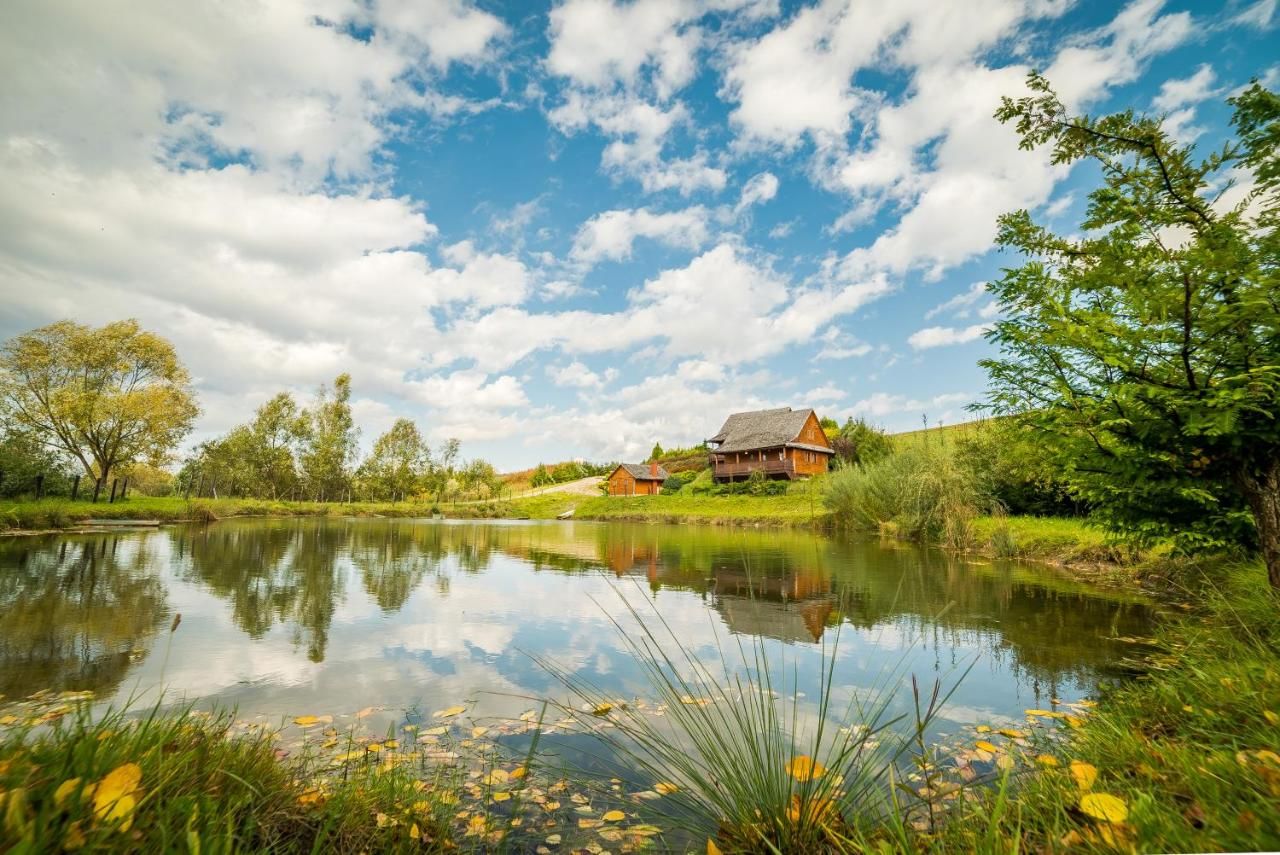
<point x="653" y="469"/>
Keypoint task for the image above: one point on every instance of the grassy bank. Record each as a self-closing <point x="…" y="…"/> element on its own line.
<point x="1184" y="759"/>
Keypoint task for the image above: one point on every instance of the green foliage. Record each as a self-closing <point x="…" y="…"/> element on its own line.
<point x="395" y="468"/>
<point x="677" y="480"/>
<point x="920" y="493"/>
<point x="541" y="476"/>
<point x="329" y="449"/>
<point x="860" y="442"/>
<point x="104" y="396"/>
<point x="23" y="458"/>
<point x="656" y="453"/>
<point x="1145" y="352"/>
<point x="1009" y="466"/>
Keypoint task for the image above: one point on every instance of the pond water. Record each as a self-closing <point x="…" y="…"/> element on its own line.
<point x="305" y="616"/>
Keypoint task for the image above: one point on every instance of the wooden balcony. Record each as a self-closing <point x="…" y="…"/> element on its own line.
<point x="727" y="470"/>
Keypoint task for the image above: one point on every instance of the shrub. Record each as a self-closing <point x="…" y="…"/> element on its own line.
<point x="919" y="493"/>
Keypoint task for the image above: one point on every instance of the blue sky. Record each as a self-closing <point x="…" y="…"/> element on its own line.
<point x="567" y="229"/>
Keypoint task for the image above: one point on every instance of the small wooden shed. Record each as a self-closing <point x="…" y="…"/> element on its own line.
<point x="636" y="479"/>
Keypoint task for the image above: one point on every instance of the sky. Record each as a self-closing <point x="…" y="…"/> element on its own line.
<point x="570" y="229"/>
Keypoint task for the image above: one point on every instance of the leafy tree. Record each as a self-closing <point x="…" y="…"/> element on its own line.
<point x="395" y="467"/>
<point x="105" y="396"/>
<point x="656" y="454"/>
<point x="829" y="424"/>
<point x="541" y="476"/>
<point x="478" y="478"/>
<point x="23" y="458"/>
<point x="860" y="442"/>
<point x="330" y="446"/>
<point x="1146" y="347"/>
<point x="279" y="427"/>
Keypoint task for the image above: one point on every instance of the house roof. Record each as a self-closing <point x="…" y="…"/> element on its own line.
<point x="642" y="472"/>
<point x="765" y="429"/>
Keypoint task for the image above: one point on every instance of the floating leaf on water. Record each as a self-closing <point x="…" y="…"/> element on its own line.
<point x="479" y="731"/>
<point x="664" y="788"/>
<point x="449" y="712"/>
<point x="306" y="720"/>
<point x="1005" y="762"/>
<point x="982" y="728"/>
<point x="501" y="797"/>
<point x="554" y="839"/>
<point x="1084" y="774"/>
<point x="602" y="709"/>
<point x="365" y="713"/>
<point x="590" y="823"/>
<point x="1012" y="734"/>
<point x="518" y="772"/>
<point x="804" y="768"/>
<point x="614" y="816"/>
<point x="983" y="745"/>
<point x="1105" y="807"/>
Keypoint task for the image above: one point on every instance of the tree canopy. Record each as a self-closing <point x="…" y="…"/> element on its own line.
<point x="105" y="396"/>
<point x="1147" y="342"/>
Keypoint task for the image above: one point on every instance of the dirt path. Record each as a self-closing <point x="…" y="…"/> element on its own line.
<point x="589" y="486"/>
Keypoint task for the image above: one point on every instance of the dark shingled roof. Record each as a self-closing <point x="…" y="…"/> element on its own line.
<point x="764" y="429"/>
<point x="641" y="472"/>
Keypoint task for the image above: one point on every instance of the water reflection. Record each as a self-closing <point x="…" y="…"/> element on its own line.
<point x="280" y="613"/>
<point x="73" y="610"/>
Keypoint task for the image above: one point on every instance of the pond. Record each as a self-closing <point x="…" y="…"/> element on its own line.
<point x="282" y="617"/>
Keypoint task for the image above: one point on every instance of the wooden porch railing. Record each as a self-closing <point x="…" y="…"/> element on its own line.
<point x="746" y="467"/>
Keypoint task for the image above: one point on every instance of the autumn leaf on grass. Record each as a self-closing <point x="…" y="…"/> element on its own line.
<point x="65" y="790"/>
<point x="449" y="712"/>
<point x="117" y="794"/>
<point x="804" y="768"/>
<point x="712" y="848"/>
<point x="1084" y="773"/>
<point x="1104" y="807"/>
<point x="614" y="816"/>
<point x="1047" y="760"/>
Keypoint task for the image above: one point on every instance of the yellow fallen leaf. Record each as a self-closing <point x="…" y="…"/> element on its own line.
<point x="982" y="728"/>
<point x="519" y="772"/>
<point x="439" y="730"/>
<point x="1012" y="734"/>
<point x="501" y="797"/>
<point x="415" y="833"/>
<point x="306" y="720"/>
<point x="65" y="789"/>
<point x="365" y="713"/>
<point x="1047" y="760"/>
<point x="1074" y="720"/>
<point x="390" y="743"/>
<point x="804" y="768"/>
<point x="375" y="747"/>
<point x="712" y="848"/>
<point x="74" y="839"/>
<point x="311" y="797"/>
<point x="383" y="820"/>
<point x="590" y="823"/>
<point x="449" y="712"/>
<point x="1104" y="807"/>
<point x="602" y="709"/>
<point x="614" y="816"/>
<point x="8" y="720"/>
<point x="1004" y="762"/>
<point x="477" y="732"/>
<point x="497" y="776"/>
<point x="665" y="788"/>
<point x="983" y="745"/>
<point x="115" y="797"/>
<point x="1084" y="773"/>
<point x="1271" y="717"/>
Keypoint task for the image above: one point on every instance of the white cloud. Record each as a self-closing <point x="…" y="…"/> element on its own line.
<point x="961" y="303"/>
<point x="599" y="42"/>
<point x="579" y="376"/>
<point x="610" y="235"/>
<point x="883" y="404"/>
<point x="1258" y="14"/>
<point x="759" y="189"/>
<point x="942" y="336"/>
<point x="1182" y="92"/>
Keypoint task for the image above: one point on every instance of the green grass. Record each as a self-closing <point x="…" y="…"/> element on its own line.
<point x="940" y="435"/>
<point x="1191" y="749"/>
<point x="190" y="785"/>
<point x="792" y="509"/>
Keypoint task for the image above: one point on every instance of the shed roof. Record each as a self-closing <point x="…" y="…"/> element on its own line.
<point x="642" y="472"/>
<point x="764" y="429"/>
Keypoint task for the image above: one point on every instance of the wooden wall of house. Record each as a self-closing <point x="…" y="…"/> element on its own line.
<point x="808" y="462"/>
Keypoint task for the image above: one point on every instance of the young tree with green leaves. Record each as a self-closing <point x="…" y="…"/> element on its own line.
<point x="397" y="463"/>
<point x="105" y="396"/>
<point x="1145" y="347"/>
<point x="330" y="446"/>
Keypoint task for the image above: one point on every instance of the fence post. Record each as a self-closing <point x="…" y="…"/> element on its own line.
<point x="124" y="488"/>
<point x="75" y="488"/>
<point x="40" y="486"/>
<point x="114" y="482"/>
<point x="97" y="489"/>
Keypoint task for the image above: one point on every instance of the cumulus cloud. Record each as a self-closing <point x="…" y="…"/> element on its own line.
<point x="758" y="190"/>
<point x="610" y="235"/>
<point x="943" y="336"/>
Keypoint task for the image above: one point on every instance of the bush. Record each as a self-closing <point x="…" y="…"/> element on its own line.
<point x="919" y="493"/>
<point x="1006" y="462"/>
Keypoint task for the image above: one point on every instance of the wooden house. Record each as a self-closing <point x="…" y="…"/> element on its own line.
<point x="781" y="443"/>
<point x="636" y="479"/>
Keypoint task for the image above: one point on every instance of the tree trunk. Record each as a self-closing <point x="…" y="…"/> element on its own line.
<point x="1261" y="490"/>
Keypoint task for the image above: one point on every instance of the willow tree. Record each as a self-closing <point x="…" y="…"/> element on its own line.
<point x="105" y="396"/>
<point x="1147" y="342"/>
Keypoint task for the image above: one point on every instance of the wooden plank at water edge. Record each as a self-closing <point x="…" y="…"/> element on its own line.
<point x="151" y="523"/>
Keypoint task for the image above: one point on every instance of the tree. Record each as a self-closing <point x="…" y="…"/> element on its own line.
<point x="104" y="396"/>
<point x="395" y="467"/>
<point x="656" y="454"/>
<point x="331" y="437"/>
<point x="541" y="476"/>
<point x="860" y="442"/>
<point x="278" y="427"/>
<point x="1145" y="349"/>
